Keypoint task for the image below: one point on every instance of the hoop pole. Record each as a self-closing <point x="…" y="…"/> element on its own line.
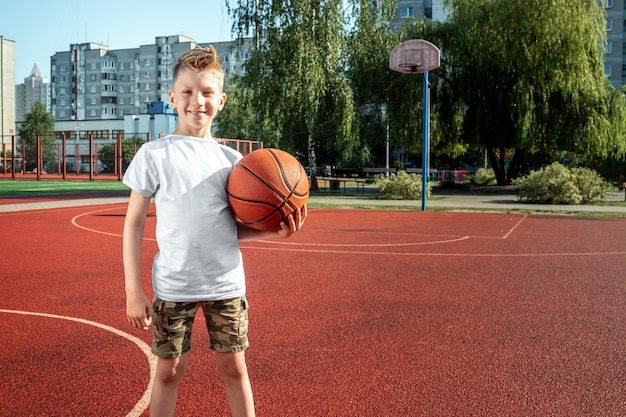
<point x="425" y="142"/>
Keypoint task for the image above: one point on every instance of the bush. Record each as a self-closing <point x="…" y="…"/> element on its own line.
<point x="556" y="184"/>
<point x="404" y="185"/>
<point x="590" y="184"/>
<point x="483" y="177"/>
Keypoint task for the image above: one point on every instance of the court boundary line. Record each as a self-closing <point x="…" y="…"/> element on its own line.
<point x="514" y="227"/>
<point x="289" y="246"/>
<point x="464" y="255"/>
<point x="75" y="224"/>
<point x="144" y="401"/>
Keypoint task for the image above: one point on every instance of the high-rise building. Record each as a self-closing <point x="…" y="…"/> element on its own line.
<point x="615" y="47"/>
<point x="91" y="82"/>
<point x="419" y="9"/>
<point x="7" y="90"/>
<point x="35" y="87"/>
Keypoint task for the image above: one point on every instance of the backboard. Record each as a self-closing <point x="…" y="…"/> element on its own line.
<point x="414" y="56"/>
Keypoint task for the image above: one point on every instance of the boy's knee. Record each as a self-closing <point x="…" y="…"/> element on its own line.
<point x="171" y="370"/>
<point x="231" y="365"/>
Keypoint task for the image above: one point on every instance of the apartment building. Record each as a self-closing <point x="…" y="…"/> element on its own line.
<point x="615" y="48"/>
<point x="91" y="82"/>
<point x="419" y="9"/>
<point x="35" y="87"/>
<point x="7" y="90"/>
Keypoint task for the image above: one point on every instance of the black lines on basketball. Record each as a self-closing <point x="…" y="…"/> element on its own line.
<point x="266" y="186"/>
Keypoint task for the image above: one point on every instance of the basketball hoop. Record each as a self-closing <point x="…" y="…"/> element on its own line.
<point x="418" y="56"/>
<point x="415" y="56"/>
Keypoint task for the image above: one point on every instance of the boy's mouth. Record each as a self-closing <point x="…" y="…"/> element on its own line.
<point x="196" y="113"/>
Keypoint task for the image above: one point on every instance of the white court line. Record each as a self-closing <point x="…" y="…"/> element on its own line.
<point x="74" y="222"/>
<point x="309" y="247"/>
<point x="426" y="254"/>
<point x="514" y="227"/>
<point x="366" y="245"/>
<point x="144" y="401"/>
<point x="89" y="229"/>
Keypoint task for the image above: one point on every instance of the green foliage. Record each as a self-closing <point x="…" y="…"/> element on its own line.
<point x="404" y="185"/>
<point x="241" y="118"/>
<point x="374" y="88"/>
<point x="556" y="184"/>
<point x="295" y="75"/>
<point x="483" y="176"/>
<point x="590" y="184"/>
<point x="40" y="123"/>
<point x="130" y="146"/>
<point x="517" y="78"/>
<point x="524" y="77"/>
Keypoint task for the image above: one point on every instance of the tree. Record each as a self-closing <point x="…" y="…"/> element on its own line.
<point x="130" y="146"/>
<point x="239" y="117"/>
<point x="296" y="73"/>
<point x="38" y="122"/>
<point x="369" y="43"/>
<point x="524" y="77"/>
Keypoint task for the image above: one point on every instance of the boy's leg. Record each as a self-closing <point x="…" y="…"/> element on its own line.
<point x="169" y="373"/>
<point x="227" y="322"/>
<point x="172" y="323"/>
<point x="234" y="373"/>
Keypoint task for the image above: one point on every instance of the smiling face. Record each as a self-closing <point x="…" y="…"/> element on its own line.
<point x="197" y="96"/>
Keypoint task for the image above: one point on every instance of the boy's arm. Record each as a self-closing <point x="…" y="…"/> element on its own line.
<point x="293" y="224"/>
<point x="138" y="307"/>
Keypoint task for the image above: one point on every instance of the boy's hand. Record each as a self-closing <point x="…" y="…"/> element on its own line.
<point x="294" y="223"/>
<point x="139" y="311"/>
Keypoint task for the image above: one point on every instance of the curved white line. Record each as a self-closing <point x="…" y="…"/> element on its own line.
<point x="143" y="402"/>
<point x="357" y="252"/>
<point x="78" y="216"/>
<point x="463" y="255"/>
<point x="75" y="223"/>
<point x="366" y="245"/>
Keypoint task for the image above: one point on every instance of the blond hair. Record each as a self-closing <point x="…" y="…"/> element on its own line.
<point x="201" y="59"/>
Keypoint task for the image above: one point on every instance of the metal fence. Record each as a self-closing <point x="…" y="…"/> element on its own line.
<point x="71" y="158"/>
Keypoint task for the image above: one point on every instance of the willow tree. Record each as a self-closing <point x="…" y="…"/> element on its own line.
<point x="526" y="76"/>
<point x="296" y="71"/>
<point x="369" y="42"/>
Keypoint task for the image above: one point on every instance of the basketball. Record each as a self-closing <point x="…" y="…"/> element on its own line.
<point x="265" y="187"/>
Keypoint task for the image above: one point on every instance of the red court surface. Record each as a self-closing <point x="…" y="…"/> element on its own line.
<point x="362" y="313"/>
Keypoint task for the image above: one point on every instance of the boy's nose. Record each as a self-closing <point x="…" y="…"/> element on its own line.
<point x="197" y="98"/>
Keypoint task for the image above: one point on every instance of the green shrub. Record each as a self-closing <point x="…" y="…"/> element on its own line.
<point x="483" y="176"/>
<point x="556" y="184"/>
<point x="590" y="184"/>
<point x="404" y="185"/>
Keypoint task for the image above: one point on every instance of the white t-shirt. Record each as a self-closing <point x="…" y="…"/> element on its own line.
<point x="199" y="257"/>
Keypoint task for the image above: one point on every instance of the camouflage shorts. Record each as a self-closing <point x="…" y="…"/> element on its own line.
<point x="172" y="322"/>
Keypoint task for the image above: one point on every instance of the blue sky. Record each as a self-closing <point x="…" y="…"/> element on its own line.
<point x="42" y="28"/>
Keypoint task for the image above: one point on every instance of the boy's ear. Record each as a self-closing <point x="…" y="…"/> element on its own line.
<point x="170" y="94"/>
<point x="222" y="102"/>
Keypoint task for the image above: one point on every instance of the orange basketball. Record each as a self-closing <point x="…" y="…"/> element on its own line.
<point x="265" y="187"/>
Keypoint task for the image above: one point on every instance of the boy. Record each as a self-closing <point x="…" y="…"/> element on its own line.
<point x="199" y="262"/>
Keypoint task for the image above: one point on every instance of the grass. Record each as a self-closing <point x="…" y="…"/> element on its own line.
<point x="34" y="187"/>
